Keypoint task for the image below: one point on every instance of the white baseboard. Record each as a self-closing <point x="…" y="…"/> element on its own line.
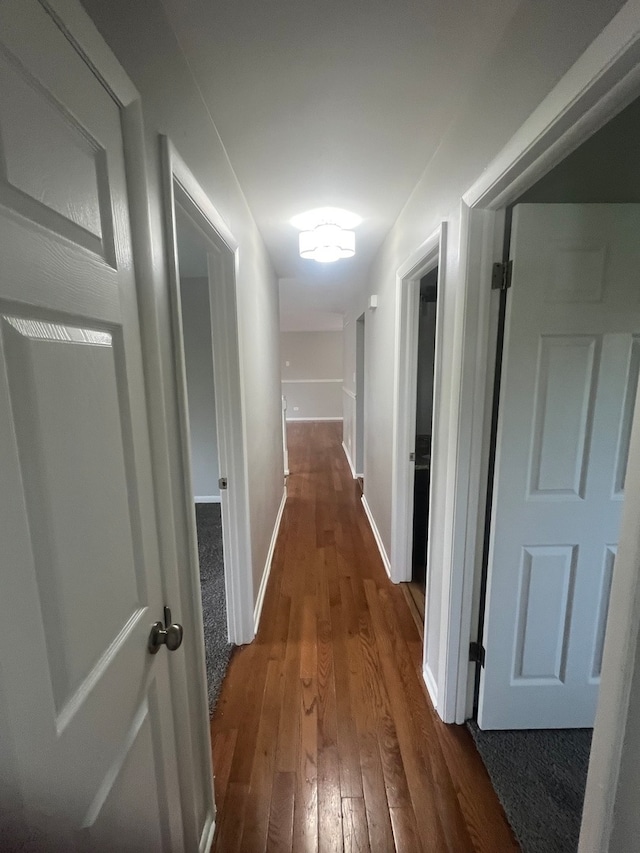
<point x="257" y="611"/>
<point x="313" y="419"/>
<point x="346" y="453"/>
<point x="207" y="499"/>
<point x="432" y="687"/>
<point x="208" y="832"/>
<point x="376" y="536"/>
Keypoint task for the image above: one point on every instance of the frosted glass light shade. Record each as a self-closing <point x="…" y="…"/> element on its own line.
<point x="335" y="215"/>
<point x="327" y="243"/>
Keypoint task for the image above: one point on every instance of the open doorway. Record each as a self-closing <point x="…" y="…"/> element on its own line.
<point x="360" y="362"/>
<point x="195" y="320"/>
<point x="566" y="399"/>
<point x="423" y="432"/>
<point x="429" y="257"/>
<point x="211" y="481"/>
<point x="426" y="259"/>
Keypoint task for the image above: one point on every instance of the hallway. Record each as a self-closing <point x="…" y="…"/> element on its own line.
<point x="323" y="737"/>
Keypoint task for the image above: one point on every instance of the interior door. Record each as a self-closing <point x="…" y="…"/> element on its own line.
<point x="87" y="757"/>
<point x="570" y="373"/>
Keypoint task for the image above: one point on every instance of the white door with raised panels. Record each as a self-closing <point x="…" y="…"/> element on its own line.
<point x="570" y="373"/>
<point x="87" y="743"/>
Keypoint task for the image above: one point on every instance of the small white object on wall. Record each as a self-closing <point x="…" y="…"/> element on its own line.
<point x="373" y="302"/>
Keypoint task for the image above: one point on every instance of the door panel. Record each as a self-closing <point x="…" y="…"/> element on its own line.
<point x="622" y="453"/>
<point x="547" y="575"/>
<point x="563" y="415"/>
<point x="603" y="608"/>
<point x="139" y="814"/>
<point x="54" y="170"/>
<point x="87" y="708"/>
<point x="74" y="478"/>
<point x="570" y="375"/>
<point x="58" y="167"/>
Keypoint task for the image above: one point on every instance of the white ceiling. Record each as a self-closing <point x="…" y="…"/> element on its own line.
<point x="332" y="104"/>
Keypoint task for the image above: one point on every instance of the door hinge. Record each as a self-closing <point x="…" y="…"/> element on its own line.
<point x="222" y="483"/>
<point x="501" y="276"/>
<point x="476" y="653"/>
<point x="412" y="456"/>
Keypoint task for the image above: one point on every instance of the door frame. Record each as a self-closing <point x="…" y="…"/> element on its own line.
<point x="181" y="187"/>
<point x="285" y="445"/>
<point x="428" y="256"/>
<point x="188" y="696"/>
<point x="602" y="82"/>
<point x="359" y="430"/>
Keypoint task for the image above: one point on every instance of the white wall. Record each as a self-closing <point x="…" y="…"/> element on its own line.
<point x="198" y="355"/>
<point x="142" y="40"/>
<point x="311" y="369"/>
<point x="540" y="44"/>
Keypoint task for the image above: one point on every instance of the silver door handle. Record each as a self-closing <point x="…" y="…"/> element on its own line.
<point x="170" y="634"/>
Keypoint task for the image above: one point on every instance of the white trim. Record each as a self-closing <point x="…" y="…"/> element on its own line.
<point x="181" y="187"/>
<point x="376" y="535"/>
<point x="207" y="834"/>
<point x="431" y="684"/>
<point x="482" y="235"/>
<point x="349" y="393"/>
<point x="309" y="420"/>
<point x="308" y="381"/>
<point x="359" y="436"/>
<point x="429" y="255"/>
<point x="257" y="611"/>
<point x="82" y="33"/>
<point x="618" y="695"/>
<point x="467" y="426"/>
<point x="285" y="449"/>
<point x="188" y="697"/>
<point x="351" y="467"/>
<point x="185" y="178"/>
<point x="207" y="499"/>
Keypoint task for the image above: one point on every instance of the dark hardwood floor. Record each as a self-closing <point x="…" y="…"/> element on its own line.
<point x="324" y="738"/>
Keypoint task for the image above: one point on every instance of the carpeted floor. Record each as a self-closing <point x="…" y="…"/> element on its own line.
<point x="214" y="610"/>
<point x="540" y="777"/>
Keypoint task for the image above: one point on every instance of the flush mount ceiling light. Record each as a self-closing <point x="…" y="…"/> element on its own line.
<point x="327" y="243"/>
<point x="326" y="235"/>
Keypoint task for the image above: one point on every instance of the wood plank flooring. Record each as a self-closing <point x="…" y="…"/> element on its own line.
<point x="415" y="597"/>
<point x="324" y="738"/>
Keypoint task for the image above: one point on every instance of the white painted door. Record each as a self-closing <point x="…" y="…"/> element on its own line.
<point x="87" y="757"/>
<point x="570" y="372"/>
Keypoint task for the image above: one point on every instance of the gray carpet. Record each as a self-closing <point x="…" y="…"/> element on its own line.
<point x="214" y="610"/>
<point x="540" y="777"/>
